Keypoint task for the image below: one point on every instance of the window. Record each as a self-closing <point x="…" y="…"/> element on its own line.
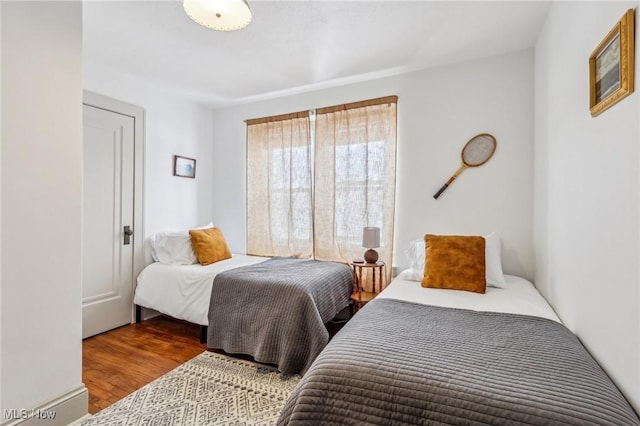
<point x="313" y="185"/>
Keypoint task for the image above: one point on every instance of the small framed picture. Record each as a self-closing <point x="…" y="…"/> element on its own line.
<point x="184" y="167"/>
<point x="611" y="71"/>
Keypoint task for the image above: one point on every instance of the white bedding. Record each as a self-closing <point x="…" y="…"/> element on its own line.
<point x="184" y="291"/>
<point x="520" y="297"/>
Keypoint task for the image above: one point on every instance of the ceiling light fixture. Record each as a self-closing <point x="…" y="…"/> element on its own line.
<point x="219" y="15"/>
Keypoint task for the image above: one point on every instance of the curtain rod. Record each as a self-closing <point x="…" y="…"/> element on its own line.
<point x="324" y="110"/>
<point x="360" y="104"/>
<point x="274" y="118"/>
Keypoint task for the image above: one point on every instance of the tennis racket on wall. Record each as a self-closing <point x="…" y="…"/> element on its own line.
<point x="475" y="153"/>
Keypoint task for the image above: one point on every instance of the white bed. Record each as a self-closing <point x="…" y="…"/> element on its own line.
<point x="502" y="359"/>
<point x="519" y="297"/>
<point x="419" y="355"/>
<point x="184" y="291"/>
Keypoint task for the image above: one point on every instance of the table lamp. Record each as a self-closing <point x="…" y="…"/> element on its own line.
<point x="371" y="240"/>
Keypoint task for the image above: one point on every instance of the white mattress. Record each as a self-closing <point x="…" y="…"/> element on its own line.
<point x="184" y="291"/>
<point x="520" y="297"/>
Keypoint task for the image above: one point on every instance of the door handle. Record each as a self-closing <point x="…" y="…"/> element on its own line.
<point x="128" y="232"/>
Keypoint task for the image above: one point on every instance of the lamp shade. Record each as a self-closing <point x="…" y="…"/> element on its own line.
<point x="220" y="15"/>
<point x="371" y="237"/>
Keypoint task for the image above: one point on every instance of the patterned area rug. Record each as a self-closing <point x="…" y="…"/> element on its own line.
<point x="210" y="389"/>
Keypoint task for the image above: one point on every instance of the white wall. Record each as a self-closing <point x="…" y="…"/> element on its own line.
<point x="587" y="208"/>
<point x="438" y="111"/>
<point x="174" y="125"/>
<point x="41" y="171"/>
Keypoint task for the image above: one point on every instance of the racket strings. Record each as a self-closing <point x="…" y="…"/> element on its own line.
<point x="478" y="151"/>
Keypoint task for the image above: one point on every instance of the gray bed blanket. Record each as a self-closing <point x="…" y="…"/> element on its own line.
<point x="276" y="310"/>
<point x="402" y="363"/>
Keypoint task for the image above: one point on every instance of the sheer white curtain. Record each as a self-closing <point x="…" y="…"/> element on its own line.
<point x="279" y="186"/>
<point x="355" y="173"/>
<point x="315" y="200"/>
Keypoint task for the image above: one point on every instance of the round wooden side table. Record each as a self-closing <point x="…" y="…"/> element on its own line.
<point x="361" y="270"/>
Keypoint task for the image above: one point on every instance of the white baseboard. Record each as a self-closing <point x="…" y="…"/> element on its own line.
<point x="67" y="409"/>
<point x="80" y="420"/>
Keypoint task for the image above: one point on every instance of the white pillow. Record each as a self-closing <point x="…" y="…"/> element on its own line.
<point x="416" y="253"/>
<point x="493" y="261"/>
<point x="174" y="248"/>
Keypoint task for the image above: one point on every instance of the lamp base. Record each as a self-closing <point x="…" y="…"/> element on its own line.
<point x="371" y="256"/>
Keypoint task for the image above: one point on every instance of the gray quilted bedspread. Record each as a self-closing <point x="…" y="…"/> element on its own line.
<point x="276" y="310"/>
<point x="402" y="363"/>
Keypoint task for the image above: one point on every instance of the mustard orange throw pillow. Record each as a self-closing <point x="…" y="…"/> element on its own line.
<point x="455" y="262"/>
<point x="209" y="245"/>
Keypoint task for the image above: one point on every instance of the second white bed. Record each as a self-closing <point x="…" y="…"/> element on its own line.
<point x="184" y="291"/>
<point x="520" y="297"/>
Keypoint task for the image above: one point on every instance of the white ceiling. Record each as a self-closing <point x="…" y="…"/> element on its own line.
<point x="294" y="46"/>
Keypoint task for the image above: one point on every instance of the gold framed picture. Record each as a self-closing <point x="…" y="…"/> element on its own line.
<point x="611" y="71"/>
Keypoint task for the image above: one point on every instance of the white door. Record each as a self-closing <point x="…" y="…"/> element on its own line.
<point x="107" y="250"/>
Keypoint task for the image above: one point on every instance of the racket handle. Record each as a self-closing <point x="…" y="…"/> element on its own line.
<point x="445" y="186"/>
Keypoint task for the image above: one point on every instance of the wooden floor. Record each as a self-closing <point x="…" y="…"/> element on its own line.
<point x="121" y="361"/>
